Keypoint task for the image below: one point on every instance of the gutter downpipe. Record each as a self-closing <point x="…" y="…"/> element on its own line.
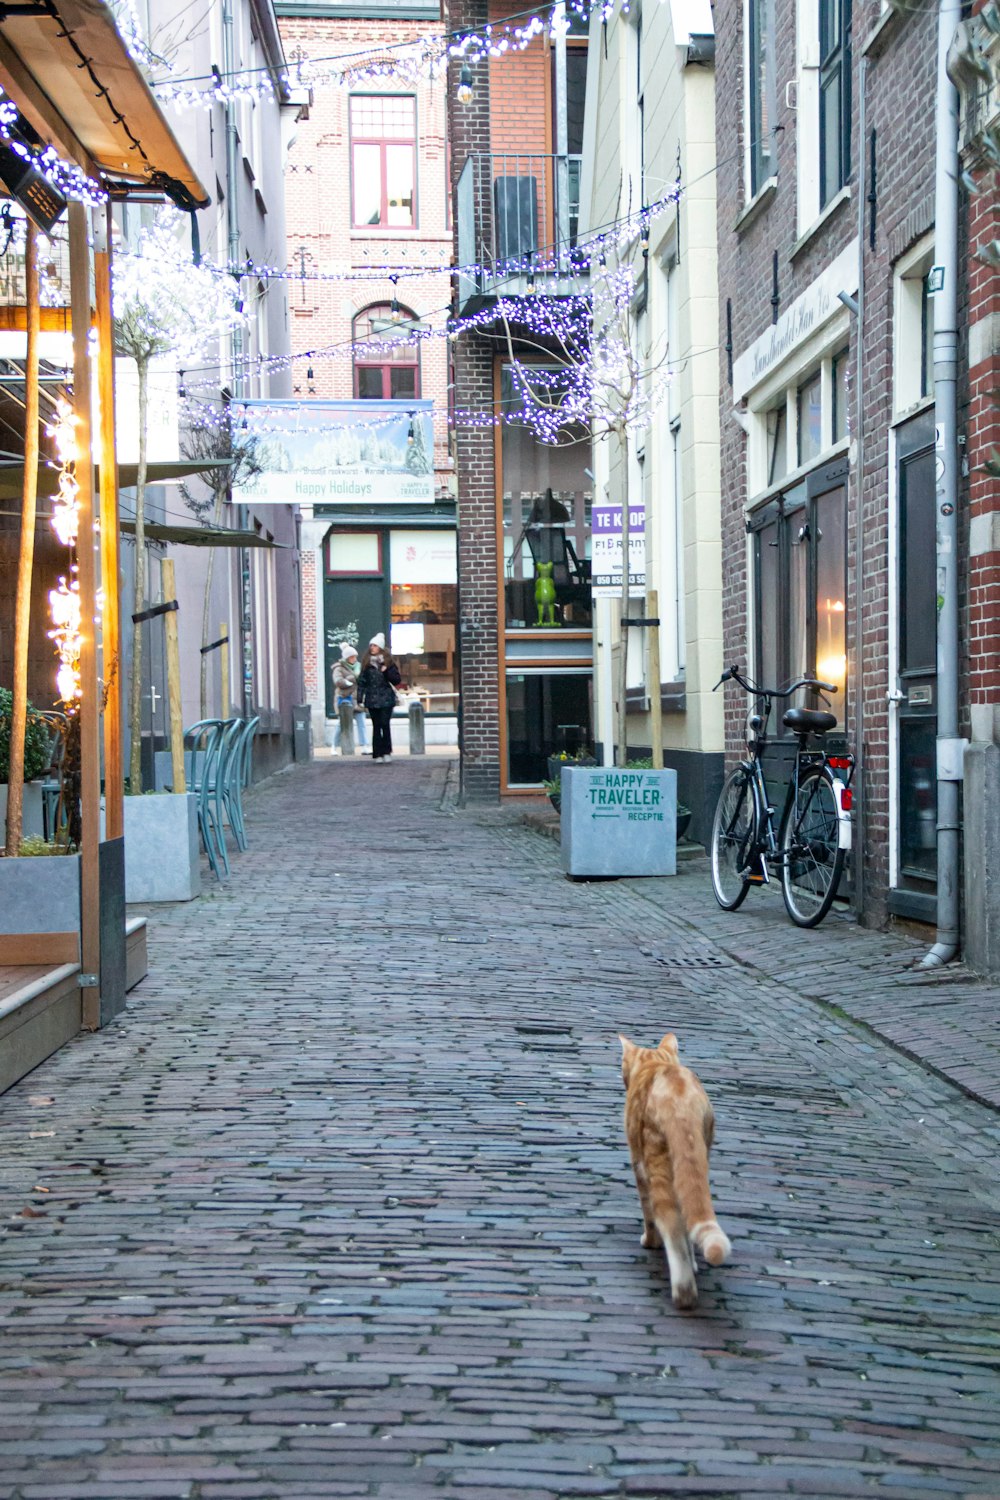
<point x="949" y="746"/>
<point x="236" y="337"/>
<point x="858" y="870"/>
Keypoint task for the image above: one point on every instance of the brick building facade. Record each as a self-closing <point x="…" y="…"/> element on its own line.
<point x="368" y="204"/>
<point x="825" y="116"/>
<point x="526" y="691"/>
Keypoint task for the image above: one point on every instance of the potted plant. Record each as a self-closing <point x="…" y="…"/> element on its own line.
<point x="553" y="790"/>
<point x="645" y="763"/>
<point x="37" y="750"/>
<point x="564" y="758"/>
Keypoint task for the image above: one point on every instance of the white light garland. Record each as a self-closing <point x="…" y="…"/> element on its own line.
<point x="64" y="605"/>
<point x="66" y="507"/>
<point x="405" y="63"/>
<point x="67" y="178"/>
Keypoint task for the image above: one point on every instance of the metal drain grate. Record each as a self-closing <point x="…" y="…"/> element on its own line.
<point x="692" y="961"/>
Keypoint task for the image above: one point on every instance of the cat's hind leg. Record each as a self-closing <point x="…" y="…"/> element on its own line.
<point x="673" y="1232"/>
<point x="650" y="1239"/>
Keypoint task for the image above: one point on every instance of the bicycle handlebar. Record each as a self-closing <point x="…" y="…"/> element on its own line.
<point x="734" y="674"/>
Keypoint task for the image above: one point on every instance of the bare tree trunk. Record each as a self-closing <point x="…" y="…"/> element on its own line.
<point x="135" y="696"/>
<point x="623" y="636"/>
<point x="26" y="557"/>
<point x="205" y="614"/>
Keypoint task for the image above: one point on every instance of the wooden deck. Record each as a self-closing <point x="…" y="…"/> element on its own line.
<point x="40" y="1005"/>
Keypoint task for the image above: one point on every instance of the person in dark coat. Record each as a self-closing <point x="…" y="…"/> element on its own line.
<point x="377" y="692"/>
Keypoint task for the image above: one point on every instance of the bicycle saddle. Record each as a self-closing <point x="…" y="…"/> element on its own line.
<point x="808" y="721"/>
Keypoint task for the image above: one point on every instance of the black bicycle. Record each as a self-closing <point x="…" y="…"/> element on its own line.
<point x="814" y="833"/>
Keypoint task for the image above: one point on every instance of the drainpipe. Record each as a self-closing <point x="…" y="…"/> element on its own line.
<point x="858" y="868"/>
<point x="949" y="746"/>
<point x="236" y="338"/>
<point x="561" y="217"/>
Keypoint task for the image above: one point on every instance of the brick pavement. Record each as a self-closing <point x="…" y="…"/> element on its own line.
<point x="323" y="1220"/>
<point x="944" y="1018"/>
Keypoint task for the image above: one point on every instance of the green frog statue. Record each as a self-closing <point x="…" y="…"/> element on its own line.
<point x="545" y="593"/>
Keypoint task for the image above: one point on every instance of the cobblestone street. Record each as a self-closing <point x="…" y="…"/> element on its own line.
<point x="341" y="1204"/>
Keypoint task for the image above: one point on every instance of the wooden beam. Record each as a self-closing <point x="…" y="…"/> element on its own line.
<point x="49" y="948"/>
<point x="51" y="319"/>
<point x="111" y="633"/>
<point x="39" y="110"/>
<point x="90" y="707"/>
<point x="655" y="700"/>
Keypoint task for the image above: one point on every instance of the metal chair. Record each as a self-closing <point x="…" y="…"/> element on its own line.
<point x="202" y="746"/>
<point x="242" y="766"/>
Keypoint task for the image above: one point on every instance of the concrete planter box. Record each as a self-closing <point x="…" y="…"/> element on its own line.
<point x="162" y="856"/>
<point x="32" y="821"/>
<point x="40" y="894"/>
<point x="618" y="822"/>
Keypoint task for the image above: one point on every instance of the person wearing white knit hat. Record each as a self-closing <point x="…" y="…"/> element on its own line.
<point x="377" y="686"/>
<point x="345" y="686"/>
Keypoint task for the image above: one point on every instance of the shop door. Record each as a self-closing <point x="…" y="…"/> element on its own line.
<point x="913" y="695"/>
<point x="354" y="609"/>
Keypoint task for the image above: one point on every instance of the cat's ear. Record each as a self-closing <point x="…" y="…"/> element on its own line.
<point x="629" y="1049"/>
<point x="669" y="1044"/>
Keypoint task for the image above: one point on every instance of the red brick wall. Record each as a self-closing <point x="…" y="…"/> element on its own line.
<point x="982" y="420"/>
<point x="899" y="96"/>
<point x="318" y="211"/>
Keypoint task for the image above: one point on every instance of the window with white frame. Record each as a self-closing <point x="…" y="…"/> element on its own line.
<point x="760" y="100"/>
<point x="913" y="355"/>
<point x="834" y="97"/>
<point x="823" y="104"/>
<point x="801" y="423"/>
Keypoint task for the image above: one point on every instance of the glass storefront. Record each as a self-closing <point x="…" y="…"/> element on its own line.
<point x="546" y="525"/>
<point x="546" y="712"/>
<point x="404" y="582"/>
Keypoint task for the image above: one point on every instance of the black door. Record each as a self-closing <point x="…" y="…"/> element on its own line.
<point x="354" y="609"/>
<point x="914" y="694"/>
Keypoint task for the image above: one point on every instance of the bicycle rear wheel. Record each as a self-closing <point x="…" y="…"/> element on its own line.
<point x="812" y="860"/>
<point x="733" y="832"/>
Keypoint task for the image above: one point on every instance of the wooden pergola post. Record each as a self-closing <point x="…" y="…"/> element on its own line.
<point x="90" y="707"/>
<point x="111" y="634"/>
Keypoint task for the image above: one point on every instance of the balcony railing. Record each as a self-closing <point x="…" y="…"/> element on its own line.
<point x="513" y="210"/>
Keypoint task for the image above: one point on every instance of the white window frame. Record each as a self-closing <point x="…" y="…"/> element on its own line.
<point x="807" y="113"/>
<point x="908" y="280"/>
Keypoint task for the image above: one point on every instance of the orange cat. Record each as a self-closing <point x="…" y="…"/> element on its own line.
<point x="669" y="1126"/>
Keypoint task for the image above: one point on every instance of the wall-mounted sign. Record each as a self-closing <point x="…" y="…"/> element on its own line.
<point x="606" y="548"/>
<point x="806" y="316"/>
<point x="315" y="452"/>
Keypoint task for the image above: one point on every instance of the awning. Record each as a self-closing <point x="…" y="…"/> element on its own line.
<point x="12" y="475"/>
<point x="70" y="75"/>
<point x="201" y="536"/>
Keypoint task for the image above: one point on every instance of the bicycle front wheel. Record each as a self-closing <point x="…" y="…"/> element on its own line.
<point x="812" y="861"/>
<point x="733" y="830"/>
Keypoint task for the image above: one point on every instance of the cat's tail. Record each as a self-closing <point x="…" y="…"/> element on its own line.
<point x="689" y="1160"/>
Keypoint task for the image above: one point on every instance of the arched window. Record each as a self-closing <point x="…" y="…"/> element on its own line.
<point x="391" y="371"/>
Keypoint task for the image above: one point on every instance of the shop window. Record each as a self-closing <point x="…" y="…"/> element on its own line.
<point x="841" y="396"/>
<point x="810" y="418"/>
<point x="546" y="521"/>
<point x="384" y="371"/>
<point x="760" y="92"/>
<point x="354" y="554"/>
<point x="383" y="161"/>
<point x="800" y="572"/>
<point x="913" y="355"/>
<point x="777" y="443"/>
<point x="424" y="614"/>
<point x="834" y="97"/>
<point x="547" y="712"/>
